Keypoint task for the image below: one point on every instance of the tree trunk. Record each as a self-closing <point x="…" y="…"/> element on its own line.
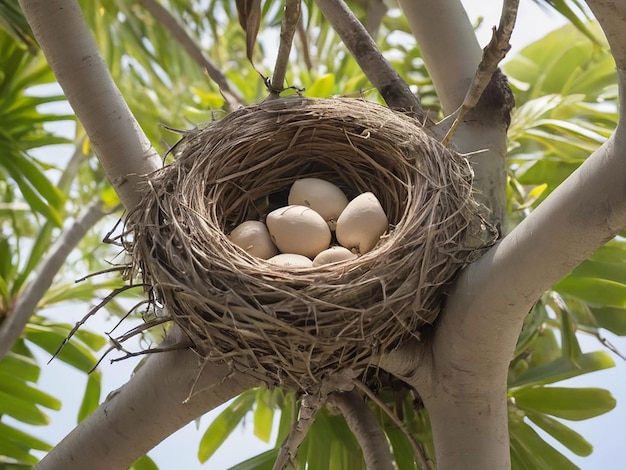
<point x="156" y="402"/>
<point x="121" y="146"/>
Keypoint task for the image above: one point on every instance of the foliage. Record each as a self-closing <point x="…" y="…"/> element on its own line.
<point x="566" y="107"/>
<point x="565" y="91"/>
<point x="32" y="210"/>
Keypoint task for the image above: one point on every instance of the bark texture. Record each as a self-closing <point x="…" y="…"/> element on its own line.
<point x="366" y="429"/>
<point x="121" y="146"/>
<point x="152" y="405"/>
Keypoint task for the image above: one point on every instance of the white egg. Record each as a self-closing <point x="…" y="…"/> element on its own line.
<point x="362" y="223"/>
<point x="334" y="254"/>
<point x="299" y="230"/>
<point x="324" y="197"/>
<point x="291" y="260"/>
<point x="254" y="237"/>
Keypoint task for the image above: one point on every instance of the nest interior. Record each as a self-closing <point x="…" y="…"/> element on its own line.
<point x="297" y="326"/>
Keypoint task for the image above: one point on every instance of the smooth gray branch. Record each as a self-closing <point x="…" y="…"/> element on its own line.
<point x="153" y="404"/>
<point x="25" y="307"/>
<point x="612" y="17"/>
<point x="378" y="70"/>
<point x="365" y="428"/>
<point x="448" y="45"/>
<point x="161" y="14"/>
<point x="420" y="455"/>
<point x="493" y="53"/>
<point x="288" y="29"/>
<point x="117" y="139"/>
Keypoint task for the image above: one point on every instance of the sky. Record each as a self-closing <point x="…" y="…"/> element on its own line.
<point x="179" y="450"/>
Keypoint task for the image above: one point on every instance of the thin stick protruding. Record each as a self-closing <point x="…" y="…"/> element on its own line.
<point x="308" y="410"/>
<point x="287" y="31"/>
<point x="493" y="53"/>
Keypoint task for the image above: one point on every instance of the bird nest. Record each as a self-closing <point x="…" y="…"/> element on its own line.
<point x="296" y="326"/>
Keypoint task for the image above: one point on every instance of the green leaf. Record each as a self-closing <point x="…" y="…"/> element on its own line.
<point x="22" y="410"/>
<point x="38" y="191"/>
<point x="569" y="341"/>
<point x="263" y="415"/>
<point x="32" y="197"/>
<point x="144" y="463"/>
<point x="594" y="291"/>
<point x="318" y="453"/>
<point x="17" y="388"/>
<point x="50" y="337"/>
<point x="19" y="366"/>
<point x="605" y="263"/>
<point x="545" y="348"/>
<point x="16" y="451"/>
<point x="95" y="341"/>
<point x="531" y="328"/>
<point x="224" y="424"/>
<point x="13" y="21"/>
<point x="9" y="433"/>
<point x="91" y="398"/>
<point x="530" y="451"/>
<point x="565" y="8"/>
<point x="287" y="416"/>
<point x="565" y="435"/>
<point x="6" y="266"/>
<point x="402" y="450"/>
<point x="562" y="368"/>
<point x="574" y="404"/>
<point x="264" y="461"/>
<point x="323" y="87"/>
<point x="343" y="443"/>
<point x="549" y="172"/>
<point x="611" y="318"/>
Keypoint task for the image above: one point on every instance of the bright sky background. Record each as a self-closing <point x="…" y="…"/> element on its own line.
<point x="179" y="451"/>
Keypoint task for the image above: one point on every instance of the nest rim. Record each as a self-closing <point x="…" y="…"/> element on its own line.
<point x="207" y="190"/>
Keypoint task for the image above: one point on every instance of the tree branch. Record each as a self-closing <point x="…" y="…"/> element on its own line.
<point x="612" y="16"/>
<point x="365" y="428"/>
<point x="117" y="139"/>
<point x="161" y="14"/>
<point x="309" y="406"/>
<point x="383" y="76"/>
<point x="461" y="373"/>
<point x="493" y="53"/>
<point x="288" y="28"/>
<point x="153" y="404"/>
<point x="448" y="45"/>
<point x="18" y="317"/>
<point x="420" y="455"/>
<point x="452" y="56"/>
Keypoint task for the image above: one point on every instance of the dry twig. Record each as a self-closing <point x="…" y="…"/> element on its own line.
<point x="378" y="70"/>
<point x="493" y="53"/>
<point x="287" y="30"/>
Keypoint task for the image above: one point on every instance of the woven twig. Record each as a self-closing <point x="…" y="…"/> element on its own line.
<point x="301" y="325"/>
